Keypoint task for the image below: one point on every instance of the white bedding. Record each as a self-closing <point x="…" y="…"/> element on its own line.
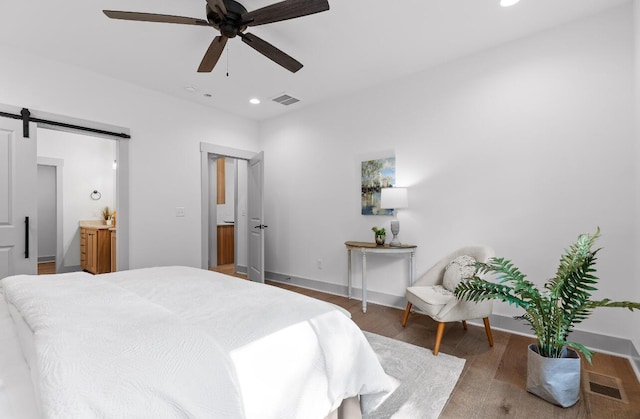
<point x="17" y="400"/>
<point x="184" y="342"/>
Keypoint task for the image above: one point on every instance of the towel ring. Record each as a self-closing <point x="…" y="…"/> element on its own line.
<point x="95" y="195"/>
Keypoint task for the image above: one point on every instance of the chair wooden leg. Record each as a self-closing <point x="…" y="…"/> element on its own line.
<point x="464" y="324"/>
<point x="406" y="314"/>
<point x="439" y="334"/>
<point x="487" y="328"/>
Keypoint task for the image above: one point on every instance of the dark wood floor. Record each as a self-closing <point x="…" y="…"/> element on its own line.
<point x="45" y="268"/>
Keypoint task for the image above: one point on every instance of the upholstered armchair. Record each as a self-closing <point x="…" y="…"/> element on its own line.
<point x="432" y="294"/>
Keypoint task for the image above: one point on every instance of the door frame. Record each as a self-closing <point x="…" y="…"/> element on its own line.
<point x="210" y="151"/>
<point x="213" y="210"/>
<point x="57" y="164"/>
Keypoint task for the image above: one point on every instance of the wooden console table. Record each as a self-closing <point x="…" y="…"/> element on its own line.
<point x="365" y="248"/>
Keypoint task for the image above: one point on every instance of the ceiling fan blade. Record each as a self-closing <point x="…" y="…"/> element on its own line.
<point x="218" y="7"/>
<point x="213" y="54"/>
<point x="152" y="17"/>
<point x="288" y="9"/>
<point x="271" y="52"/>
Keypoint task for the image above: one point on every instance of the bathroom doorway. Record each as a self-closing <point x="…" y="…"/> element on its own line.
<point x="88" y="187"/>
<point x="227" y="204"/>
<point x="49" y="215"/>
<point x="248" y="209"/>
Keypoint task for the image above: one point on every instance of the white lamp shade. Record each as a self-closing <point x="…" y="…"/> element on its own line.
<point x="393" y="198"/>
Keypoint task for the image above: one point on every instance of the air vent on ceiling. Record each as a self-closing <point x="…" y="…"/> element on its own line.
<point x="285" y="100"/>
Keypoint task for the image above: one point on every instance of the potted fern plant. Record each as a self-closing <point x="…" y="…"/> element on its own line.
<point x="553" y="365"/>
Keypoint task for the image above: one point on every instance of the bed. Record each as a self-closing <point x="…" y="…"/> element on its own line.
<point x="178" y="342"/>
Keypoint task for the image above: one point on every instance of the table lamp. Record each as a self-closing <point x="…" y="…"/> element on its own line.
<point x="394" y="198"/>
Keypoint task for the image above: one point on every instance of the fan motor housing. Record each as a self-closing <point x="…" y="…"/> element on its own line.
<point x="232" y="22"/>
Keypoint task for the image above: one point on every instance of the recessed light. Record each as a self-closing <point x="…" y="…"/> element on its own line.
<point x="508" y="3"/>
<point x="254" y="101"/>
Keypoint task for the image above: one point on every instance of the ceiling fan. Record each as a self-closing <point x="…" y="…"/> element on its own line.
<point x="232" y="19"/>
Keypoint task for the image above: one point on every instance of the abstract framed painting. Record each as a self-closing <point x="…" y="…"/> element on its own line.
<point x="375" y="175"/>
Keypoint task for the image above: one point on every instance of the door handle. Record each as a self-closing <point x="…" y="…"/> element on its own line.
<point x="26" y="237"/>
<point x="261" y="226"/>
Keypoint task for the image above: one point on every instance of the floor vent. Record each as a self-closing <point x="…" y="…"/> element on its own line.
<point x="605" y="386"/>
<point x="286" y="100"/>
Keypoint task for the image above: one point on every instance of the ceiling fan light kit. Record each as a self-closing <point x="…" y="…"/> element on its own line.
<point x="231" y="19"/>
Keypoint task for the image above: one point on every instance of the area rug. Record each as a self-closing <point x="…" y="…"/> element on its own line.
<point x="426" y="381"/>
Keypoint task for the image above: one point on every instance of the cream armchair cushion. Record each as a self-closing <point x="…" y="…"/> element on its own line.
<point x="430" y="296"/>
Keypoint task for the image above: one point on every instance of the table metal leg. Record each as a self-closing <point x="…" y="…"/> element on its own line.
<point x="349" y="273"/>
<point x="364" y="282"/>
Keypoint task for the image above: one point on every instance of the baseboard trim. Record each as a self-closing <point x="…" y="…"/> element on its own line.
<point x="635" y="359"/>
<point x="66" y="269"/>
<point x="335" y="289"/>
<point x="45" y="259"/>
<point x="600" y="343"/>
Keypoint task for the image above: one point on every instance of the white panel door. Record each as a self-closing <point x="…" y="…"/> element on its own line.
<point x="255" y="195"/>
<point x="18" y="199"/>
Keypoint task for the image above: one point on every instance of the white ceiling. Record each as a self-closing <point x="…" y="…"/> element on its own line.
<point x="355" y="45"/>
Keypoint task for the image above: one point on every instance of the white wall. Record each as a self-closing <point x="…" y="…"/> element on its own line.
<point x="46" y="213"/>
<point x="636" y="14"/>
<point x="522" y="147"/>
<point x="164" y="149"/>
<point x="88" y="166"/>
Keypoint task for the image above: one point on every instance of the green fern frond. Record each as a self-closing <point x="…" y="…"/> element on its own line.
<point x="506" y="270"/>
<point x="477" y="289"/>
<point x="608" y="303"/>
<point x="507" y="273"/>
<point x="572" y="285"/>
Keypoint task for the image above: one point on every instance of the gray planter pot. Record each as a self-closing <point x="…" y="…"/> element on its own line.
<point x="556" y="380"/>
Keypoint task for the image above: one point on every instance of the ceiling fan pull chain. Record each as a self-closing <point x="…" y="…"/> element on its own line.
<point x="228" y="61"/>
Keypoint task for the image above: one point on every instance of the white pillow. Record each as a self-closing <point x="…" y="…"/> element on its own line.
<point x="458" y="269"/>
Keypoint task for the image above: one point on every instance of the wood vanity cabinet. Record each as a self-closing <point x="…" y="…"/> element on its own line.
<point x="113" y="251"/>
<point x="95" y="250"/>
<point x="83" y="248"/>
